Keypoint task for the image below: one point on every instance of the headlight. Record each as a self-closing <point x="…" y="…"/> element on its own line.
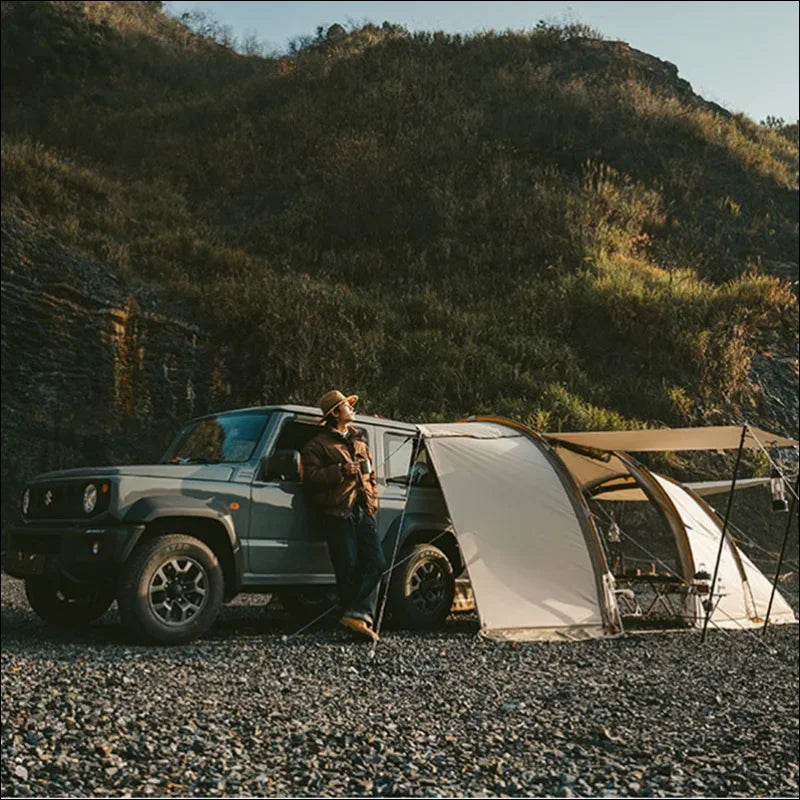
<point x="89" y="498"/>
<point x="26" y="502"/>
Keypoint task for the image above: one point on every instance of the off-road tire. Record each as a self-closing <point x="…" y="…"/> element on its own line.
<point x="67" y="606"/>
<point x="155" y="567"/>
<point x="421" y="589"/>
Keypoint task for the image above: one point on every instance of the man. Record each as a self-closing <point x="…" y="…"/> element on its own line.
<point x="340" y="482"/>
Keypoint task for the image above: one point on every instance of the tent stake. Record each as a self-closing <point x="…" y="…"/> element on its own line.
<point x="780" y="561"/>
<point x="710" y="606"/>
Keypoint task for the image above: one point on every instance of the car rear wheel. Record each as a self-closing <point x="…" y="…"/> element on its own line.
<point x="67" y="605"/>
<point x="171" y="590"/>
<point x="421" y="589"/>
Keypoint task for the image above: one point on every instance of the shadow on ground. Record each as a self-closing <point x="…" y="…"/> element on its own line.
<point x="24" y="632"/>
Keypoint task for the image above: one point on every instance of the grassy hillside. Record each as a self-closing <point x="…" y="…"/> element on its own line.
<point x="540" y="225"/>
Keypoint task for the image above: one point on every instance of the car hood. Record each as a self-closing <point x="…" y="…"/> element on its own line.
<point x="200" y="472"/>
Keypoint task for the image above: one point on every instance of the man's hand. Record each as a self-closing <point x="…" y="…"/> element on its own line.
<point x="350" y="468"/>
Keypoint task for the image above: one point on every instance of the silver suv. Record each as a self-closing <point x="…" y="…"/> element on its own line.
<point x="223" y="513"/>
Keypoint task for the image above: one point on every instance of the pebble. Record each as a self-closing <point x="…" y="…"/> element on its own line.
<point x="251" y="711"/>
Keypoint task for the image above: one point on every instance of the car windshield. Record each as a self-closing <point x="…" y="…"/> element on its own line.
<point x="215" y="440"/>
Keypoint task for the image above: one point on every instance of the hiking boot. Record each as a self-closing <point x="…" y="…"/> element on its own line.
<point x="360" y="627"/>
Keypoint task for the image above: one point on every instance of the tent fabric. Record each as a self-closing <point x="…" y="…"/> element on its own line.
<point x="761" y="588"/>
<point x="483" y="430"/>
<point x="744" y="590"/>
<point x="721" y="437"/>
<point x="589" y="472"/>
<point x="518" y="510"/>
<point x="523" y="544"/>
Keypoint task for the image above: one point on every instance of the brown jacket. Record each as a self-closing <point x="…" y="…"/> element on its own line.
<point x="327" y="488"/>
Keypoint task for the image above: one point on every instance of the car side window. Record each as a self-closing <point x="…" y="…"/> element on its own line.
<point x="397" y="451"/>
<point x="295" y="435"/>
<point x="422" y="472"/>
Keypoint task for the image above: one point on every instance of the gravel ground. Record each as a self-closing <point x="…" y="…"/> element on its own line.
<point x="241" y="713"/>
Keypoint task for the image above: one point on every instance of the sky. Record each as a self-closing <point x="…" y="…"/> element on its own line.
<point x="742" y="55"/>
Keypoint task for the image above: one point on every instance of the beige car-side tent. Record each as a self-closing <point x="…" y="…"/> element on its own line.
<point x="535" y="565"/>
<point x="517" y="501"/>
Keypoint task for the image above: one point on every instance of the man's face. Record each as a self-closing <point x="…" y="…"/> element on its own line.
<point x="344" y="413"/>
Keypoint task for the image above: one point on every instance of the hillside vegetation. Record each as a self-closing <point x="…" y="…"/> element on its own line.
<point x="542" y="225"/>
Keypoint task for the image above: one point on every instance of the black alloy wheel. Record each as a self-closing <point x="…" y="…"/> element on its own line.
<point x="178" y="590"/>
<point x="171" y="590"/>
<point x="422" y="587"/>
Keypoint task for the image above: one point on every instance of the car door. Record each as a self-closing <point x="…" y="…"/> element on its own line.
<point x="284" y="545"/>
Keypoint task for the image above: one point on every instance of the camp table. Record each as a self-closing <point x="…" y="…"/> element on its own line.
<point x="666" y="593"/>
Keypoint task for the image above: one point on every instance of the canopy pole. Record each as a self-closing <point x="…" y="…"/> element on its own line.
<point x="710" y="601"/>
<point x="780" y="561"/>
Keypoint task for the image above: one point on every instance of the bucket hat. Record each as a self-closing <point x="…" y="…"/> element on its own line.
<point x="329" y="402"/>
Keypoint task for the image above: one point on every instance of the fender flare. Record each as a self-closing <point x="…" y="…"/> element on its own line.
<point x="149" y="509"/>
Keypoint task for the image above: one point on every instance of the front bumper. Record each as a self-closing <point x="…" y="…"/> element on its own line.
<point x="79" y="554"/>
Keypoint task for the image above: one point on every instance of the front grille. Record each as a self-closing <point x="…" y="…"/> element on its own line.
<point x="65" y="500"/>
<point x="44" y="543"/>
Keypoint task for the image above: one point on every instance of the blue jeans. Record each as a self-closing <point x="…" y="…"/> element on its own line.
<point x="358" y="561"/>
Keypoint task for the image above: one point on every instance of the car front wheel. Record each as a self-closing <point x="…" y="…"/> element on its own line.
<point x="171" y="590"/>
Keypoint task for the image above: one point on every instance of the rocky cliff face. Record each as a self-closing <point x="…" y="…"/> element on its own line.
<point x="92" y="374"/>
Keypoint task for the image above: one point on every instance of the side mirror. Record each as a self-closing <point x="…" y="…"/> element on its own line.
<point x="283" y="465"/>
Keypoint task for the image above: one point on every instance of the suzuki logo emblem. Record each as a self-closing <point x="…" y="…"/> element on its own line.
<point x="48" y="497"/>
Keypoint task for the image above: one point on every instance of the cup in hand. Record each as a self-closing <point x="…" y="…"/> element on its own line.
<point x="365" y="465"/>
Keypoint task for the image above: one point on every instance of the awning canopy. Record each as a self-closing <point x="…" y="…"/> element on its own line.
<point x="720" y="437"/>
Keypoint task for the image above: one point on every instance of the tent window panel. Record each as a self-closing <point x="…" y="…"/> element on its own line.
<point x="643" y="556"/>
<point x="636" y="537"/>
